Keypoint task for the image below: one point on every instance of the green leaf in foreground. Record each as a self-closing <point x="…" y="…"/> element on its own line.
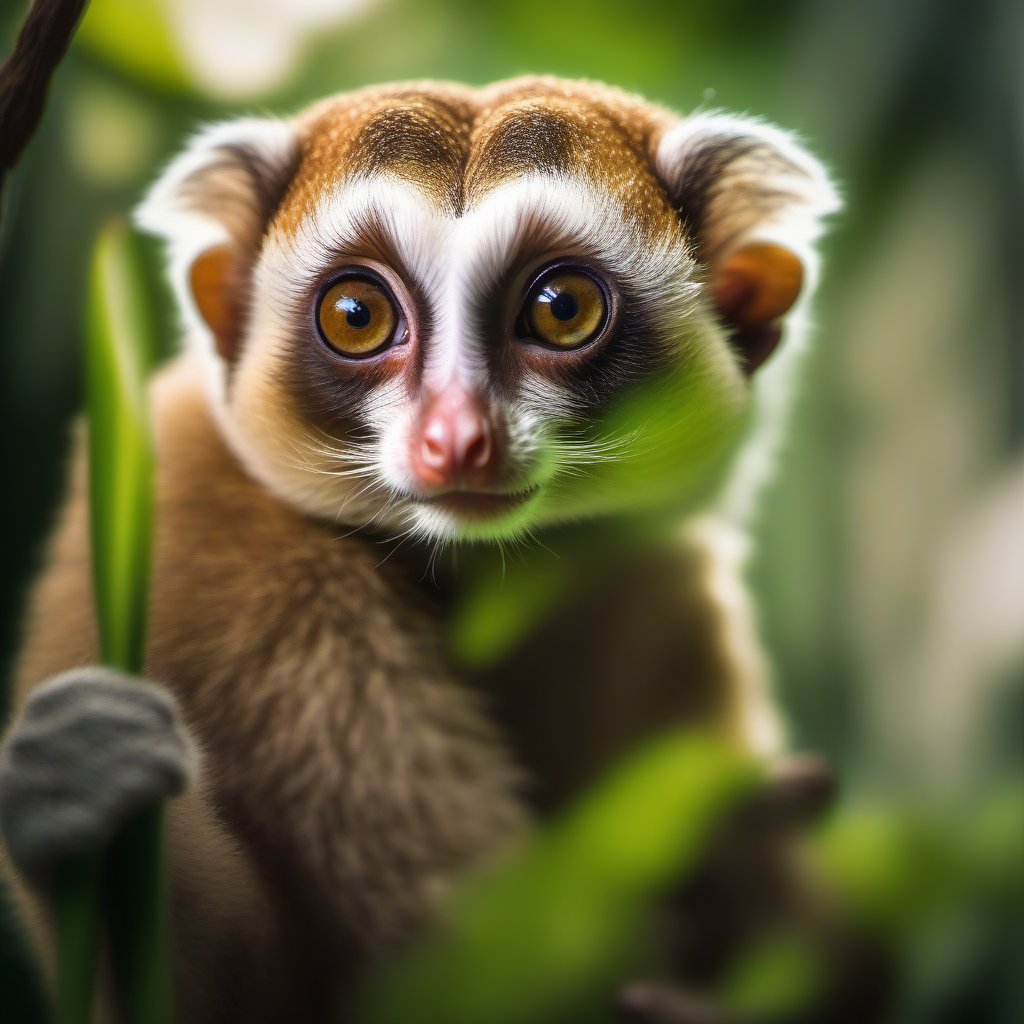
<point x="119" y="348"/>
<point x="119" y="354"/>
<point x="552" y="930"/>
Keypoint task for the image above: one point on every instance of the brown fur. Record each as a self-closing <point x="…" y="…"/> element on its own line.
<point x="458" y="143"/>
<point x="349" y="779"/>
<point x="647" y="641"/>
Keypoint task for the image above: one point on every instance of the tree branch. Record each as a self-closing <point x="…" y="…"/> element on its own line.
<point x="25" y="77"/>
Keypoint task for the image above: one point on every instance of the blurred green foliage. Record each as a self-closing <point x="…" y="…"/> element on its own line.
<point x="544" y="937"/>
<point x="887" y="547"/>
<point x="777" y="977"/>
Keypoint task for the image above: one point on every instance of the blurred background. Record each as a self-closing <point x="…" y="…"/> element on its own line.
<point x="890" y="547"/>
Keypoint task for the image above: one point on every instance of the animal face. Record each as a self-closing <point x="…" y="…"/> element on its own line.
<point x="464" y="313"/>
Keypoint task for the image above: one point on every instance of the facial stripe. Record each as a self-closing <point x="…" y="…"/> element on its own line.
<point x="460" y="264"/>
<point x="353" y="221"/>
<point x="554" y="214"/>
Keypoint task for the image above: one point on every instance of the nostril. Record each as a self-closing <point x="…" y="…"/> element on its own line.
<point x="478" y="451"/>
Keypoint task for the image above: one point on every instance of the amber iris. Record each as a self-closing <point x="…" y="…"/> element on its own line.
<point x="357" y="316"/>
<point x="566" y="309"/>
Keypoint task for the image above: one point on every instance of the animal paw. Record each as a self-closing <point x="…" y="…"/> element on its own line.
<point x="91" y="748"/>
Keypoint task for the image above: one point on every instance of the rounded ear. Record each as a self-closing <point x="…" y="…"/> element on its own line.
<point x="215" y="287"/>
<point x="753" y="288"/>
<point x="753" y="202"/>
<point x="212" y="206"/>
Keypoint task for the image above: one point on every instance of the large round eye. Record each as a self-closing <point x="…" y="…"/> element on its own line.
<point x="566" y="309"/>
<point x="357" y="316"/>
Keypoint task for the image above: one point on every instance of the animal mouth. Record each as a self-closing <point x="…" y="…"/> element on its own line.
<point x="477" y="504"/>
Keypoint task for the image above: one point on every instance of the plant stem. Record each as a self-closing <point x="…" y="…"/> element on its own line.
<point x="78" y="916"/>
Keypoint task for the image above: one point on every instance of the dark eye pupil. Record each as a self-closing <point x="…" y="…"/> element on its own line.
<point x="357" y="313"/>
<point x="564" y="306"/>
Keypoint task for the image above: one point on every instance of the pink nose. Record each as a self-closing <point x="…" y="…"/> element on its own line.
<point x="455" y="443"/>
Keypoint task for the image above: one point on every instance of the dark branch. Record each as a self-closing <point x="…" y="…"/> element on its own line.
<point x="25" y="76"/>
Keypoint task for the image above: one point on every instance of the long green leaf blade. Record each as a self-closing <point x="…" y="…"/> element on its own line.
<point x="119" y="353"/>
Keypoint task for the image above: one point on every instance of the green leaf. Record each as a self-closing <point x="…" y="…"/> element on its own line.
<point x="119" y="352"/>
<point x="76" y="897"/>
<point x="556" y="928"/>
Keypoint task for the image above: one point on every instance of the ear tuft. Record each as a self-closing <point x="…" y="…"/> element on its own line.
<point x="753" y="201"/>
<point x="228" y="181"/>
<point x="212" y="205"/>
<point x="735" y="180"/>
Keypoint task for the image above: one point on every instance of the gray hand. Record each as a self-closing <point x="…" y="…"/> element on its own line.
<point x="91" y="748"/>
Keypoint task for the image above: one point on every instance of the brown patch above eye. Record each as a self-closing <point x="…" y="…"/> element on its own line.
<point x="526" y="138"/>
<point x="418" y="141"/>
<point x="417" y="133"/>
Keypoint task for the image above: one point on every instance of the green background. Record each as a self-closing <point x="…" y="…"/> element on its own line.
<point x="890" y="546"/>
